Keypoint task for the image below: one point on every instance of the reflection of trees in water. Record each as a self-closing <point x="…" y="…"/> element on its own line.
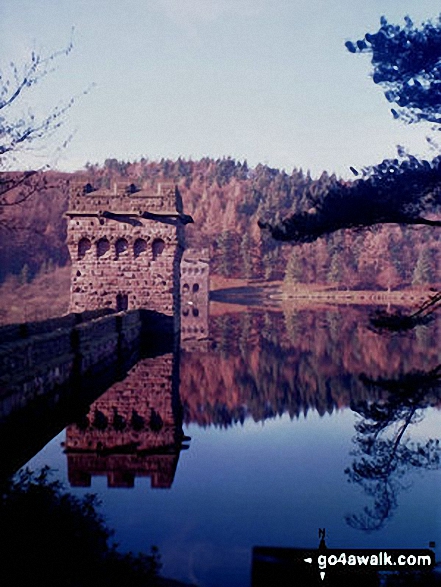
<point x="222" y="390"/>
<point x="307" y="360"/>
<point x="384" y="454"/>
<point x="315" y="360"/>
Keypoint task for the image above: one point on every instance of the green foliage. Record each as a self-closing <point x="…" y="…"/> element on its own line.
<point x="246" y="255"/>
<point x="334" y="273"/>
<point x="226" y="253"/>
<point x="406" y="64"/>
<point x="294" y="267"/>
<point x="423" y="272"/>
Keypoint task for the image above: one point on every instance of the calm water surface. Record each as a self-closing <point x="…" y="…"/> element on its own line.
<point x="298" y="420"/>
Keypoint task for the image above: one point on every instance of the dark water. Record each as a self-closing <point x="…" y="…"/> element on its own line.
<point x="299" y="420"/>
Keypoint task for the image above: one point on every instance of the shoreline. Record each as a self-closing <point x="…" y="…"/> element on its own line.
<point x="274" y="293"/>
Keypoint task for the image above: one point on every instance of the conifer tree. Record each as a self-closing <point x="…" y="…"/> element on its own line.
<point x="423" y="272"/>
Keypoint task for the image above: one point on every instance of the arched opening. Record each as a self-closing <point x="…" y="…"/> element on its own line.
<point x="185" y="288"/>
<point x="139" y="247"/>
<point x="195" y="312"/>
<point x="83" y="246"/>
<point x="158" y="246"/>
<point x="121" y="247"/>
<point x="131" y="189"/>
<point x="122" y="302"/>
<point x="195" y="287"/>
<point x="156" y="422"/>
<point x="100" y="420"/>
<point x="102" y="247"/>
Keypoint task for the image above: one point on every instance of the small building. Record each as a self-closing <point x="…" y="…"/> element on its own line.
<point x="195" y="287"/>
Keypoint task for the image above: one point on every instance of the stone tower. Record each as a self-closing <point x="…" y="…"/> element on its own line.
<point x="195" y="287"/>
<point x="125" y="245"/>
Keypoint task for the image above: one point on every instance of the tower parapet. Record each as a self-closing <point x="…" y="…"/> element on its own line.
<point x="123" y="198"/>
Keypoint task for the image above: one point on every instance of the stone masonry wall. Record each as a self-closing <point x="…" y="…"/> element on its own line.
<point x="195" y="286"/>
<point x="120" y="259"/>
<point x="35" y="366"/>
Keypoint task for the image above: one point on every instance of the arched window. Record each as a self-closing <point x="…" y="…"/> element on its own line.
<point x="139" y="247"/>
<point x="185" y="288"/>
<point x="195" y="287"/>
<point x="195" y="312"/>
<point x="102" y="247"/>
<point x="121" y="246"/>
<point x="158" y="246"/>
<point x="131" y="189"/>
<point x="83" y="246"/>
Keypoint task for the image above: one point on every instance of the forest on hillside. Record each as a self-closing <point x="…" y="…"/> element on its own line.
<point x="226" y="198"/>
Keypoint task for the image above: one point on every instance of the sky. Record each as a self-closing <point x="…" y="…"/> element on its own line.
<point x="267" y="81"/>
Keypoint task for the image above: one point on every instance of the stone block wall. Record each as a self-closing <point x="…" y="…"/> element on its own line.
<point x="36" y="365"/>
<point x="16" y="332"/>
<point x="195" y="286"/>
<point x="126" y="246"/>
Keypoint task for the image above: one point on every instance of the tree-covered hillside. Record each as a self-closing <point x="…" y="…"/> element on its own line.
<point x="226" y="198"/>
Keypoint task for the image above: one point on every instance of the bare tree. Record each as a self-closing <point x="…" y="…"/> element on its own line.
<point x="22" y="130"/>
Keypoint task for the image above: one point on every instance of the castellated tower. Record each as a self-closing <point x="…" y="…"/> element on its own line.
<point x="125" y="245"/>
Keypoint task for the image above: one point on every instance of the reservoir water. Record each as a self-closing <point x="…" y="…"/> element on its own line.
<point x="293" y="420"/>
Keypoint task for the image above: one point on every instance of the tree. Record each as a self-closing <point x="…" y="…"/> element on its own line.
<point x="246" y="254"/>
<point x="407" y="63"/>
<point x="25" y="275"/>
<point x="294" y="268"/>
<point x="17" y="131"/>
<point x="22" y="130"/>
<point x="423" y="269"/>
<point x="393" y="192"/>
<point x="226" y="256"/>
<point x="51" y="537"/>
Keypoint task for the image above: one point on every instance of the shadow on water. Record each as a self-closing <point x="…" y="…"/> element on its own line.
<point x="51" y="537"/>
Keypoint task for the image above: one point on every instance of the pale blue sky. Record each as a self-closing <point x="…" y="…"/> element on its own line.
<point x="269" y="81"/>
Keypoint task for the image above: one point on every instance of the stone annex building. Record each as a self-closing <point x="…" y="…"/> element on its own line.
<point x="195" y="286"/>
<point x="126" y="246"/>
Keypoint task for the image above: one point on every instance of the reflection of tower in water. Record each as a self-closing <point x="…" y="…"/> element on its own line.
<point x="133" y="430"/>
